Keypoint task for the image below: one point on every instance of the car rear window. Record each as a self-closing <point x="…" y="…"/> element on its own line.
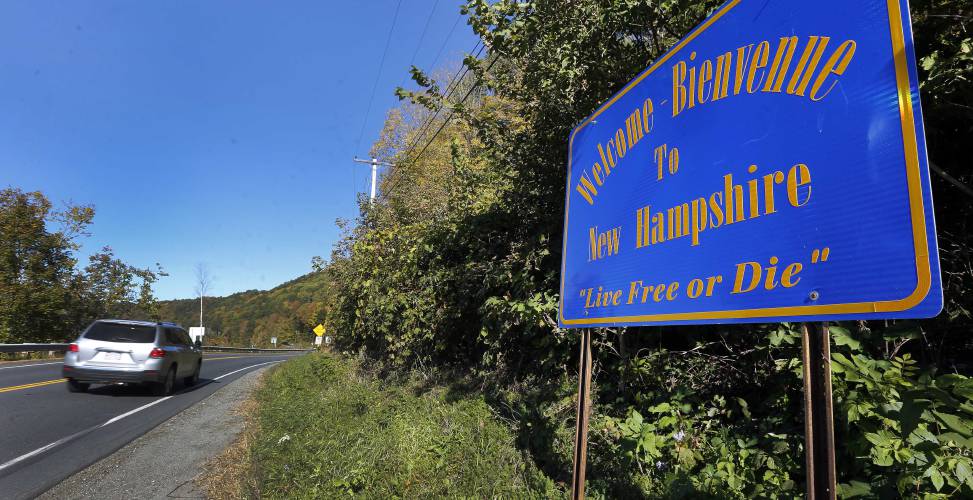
<point x="117" y="332"/>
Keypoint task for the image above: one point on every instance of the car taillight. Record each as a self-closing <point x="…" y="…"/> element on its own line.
<point x="157" y="353"/>
<point x="73" y="347"/>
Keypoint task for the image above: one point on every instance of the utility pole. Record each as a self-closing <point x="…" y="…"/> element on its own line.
<point x="374" y="163"/>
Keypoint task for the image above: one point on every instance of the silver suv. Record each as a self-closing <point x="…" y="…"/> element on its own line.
<point x="138" y="352"/>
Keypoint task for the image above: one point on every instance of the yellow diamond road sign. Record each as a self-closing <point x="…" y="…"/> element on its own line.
<point x="319" y="330"/>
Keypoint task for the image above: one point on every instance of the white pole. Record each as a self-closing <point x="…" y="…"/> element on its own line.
<point x="374" y="163"/>
<point x="374" y="177"/>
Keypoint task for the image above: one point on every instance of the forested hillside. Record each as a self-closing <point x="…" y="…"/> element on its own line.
<point x="288" y="312"/>
<point x="47" y="296"/>
<point x="456" y="270"/>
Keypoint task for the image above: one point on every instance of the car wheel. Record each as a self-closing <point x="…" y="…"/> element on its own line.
<point x="75" y="386"/>
<point x="194" y="378"/>
<point x="164" y="388"/>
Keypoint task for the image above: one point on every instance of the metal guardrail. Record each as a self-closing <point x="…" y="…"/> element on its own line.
<point x="17" y="348"/>
<point x="5" y="348"/>
<point x="249" y="349"/>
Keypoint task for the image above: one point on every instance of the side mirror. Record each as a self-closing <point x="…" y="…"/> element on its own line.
<point x="199" y="344"/>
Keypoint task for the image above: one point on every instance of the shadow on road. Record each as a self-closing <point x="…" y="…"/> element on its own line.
<point x="140" y="390"/>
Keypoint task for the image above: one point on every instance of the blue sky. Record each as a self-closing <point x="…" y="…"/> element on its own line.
<point x="207" y="131"/>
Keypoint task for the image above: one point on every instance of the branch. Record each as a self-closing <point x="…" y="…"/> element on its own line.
<point x="952" y="180"/>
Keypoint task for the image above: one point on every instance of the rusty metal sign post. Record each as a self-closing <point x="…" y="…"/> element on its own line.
<point x="818" y="415"/>
<point x="584" y="410"/>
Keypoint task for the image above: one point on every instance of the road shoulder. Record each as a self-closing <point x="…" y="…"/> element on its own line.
<point x="164" y="462"/>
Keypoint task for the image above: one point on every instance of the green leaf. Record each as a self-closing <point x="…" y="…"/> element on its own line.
<point x="666" y="421"/>
<point x="882" y="456"/>
<point x="843" y="360"/>
<point x="955" y="423"/>
<point x="854" y="489"/>
<point x="936" y="477"/>
<point x="878" y="439"/>
<point x="743" y="407"/>
<point x="842" y="336"/>
<point x="929" y="61"/>
<point x="949" y="380"/>
<point x="956" y="438"/>
<point x="964" y="390"/>
<point x="685" y="457"/>
<point x="922" y="434"/>
<point x="660" y="408"/>
<point x="963" y="472"/>
<point x="966" y="407"/>
<point x="910" y="415"/>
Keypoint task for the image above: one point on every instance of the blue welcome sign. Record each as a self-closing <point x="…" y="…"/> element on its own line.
<point x="770" y="167"/>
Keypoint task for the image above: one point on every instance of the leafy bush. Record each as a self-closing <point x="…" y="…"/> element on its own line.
<point x="900" y="431"/>
<point x="912" y="429"/>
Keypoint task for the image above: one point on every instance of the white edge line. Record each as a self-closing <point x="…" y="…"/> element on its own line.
<point x="244" y="368"/>
<point x="157" y="401"/>
<point x="42" y="449"/>
<point x="132" y="412"/>
<point x="63" y="440"/>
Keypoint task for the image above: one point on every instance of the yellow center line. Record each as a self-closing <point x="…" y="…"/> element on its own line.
<point x="49" y="382"/>
<point x="28" y="386"/>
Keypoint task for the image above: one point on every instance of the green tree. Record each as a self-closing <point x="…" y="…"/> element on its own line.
<point x="113" y="288"/>
<point x="38" y="285"/>
<point x="43" y="296"/>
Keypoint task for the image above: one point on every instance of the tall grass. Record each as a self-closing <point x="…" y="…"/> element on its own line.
<point x="328" y="428"/>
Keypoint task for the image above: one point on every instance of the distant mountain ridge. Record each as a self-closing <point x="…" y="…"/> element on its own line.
<point x="287" y="311"/>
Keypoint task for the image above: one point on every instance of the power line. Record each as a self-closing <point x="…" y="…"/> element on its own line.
<point x="429" y="122"/>
<point x="442" y="47"/>
<point x="450" y="88"/>
<point x="446" y="120"/>
<point x="381" y="65"/>
<point x="422" y="37"/>
<point x="453" y="110"/>
<point x="446" y="41"/>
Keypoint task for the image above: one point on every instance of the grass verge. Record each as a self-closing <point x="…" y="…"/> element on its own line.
<point x="323" y="427"/>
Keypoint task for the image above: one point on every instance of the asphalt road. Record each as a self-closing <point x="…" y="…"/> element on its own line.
<point x="47" y="434"/>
